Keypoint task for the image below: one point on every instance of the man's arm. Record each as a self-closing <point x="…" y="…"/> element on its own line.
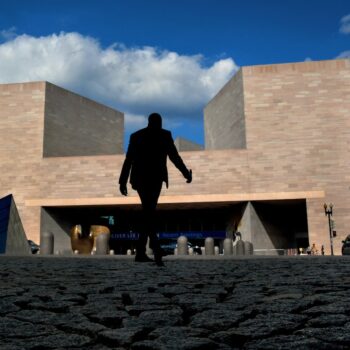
<point x="177" y="160"/>
<point x="124" y="174"/>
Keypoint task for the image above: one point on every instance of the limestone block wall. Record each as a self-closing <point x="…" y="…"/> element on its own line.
<point x="297" y="129"/>
<point x="217" y="175"/>
<point x="21" y="135"/>
<point x="23" y="109"/>
<point x="297" y="121"/>
<point x="77" y="126"/>
<point x="224" y="121"/>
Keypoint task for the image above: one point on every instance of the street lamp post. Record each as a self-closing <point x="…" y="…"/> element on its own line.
<point x="328" y="210"/>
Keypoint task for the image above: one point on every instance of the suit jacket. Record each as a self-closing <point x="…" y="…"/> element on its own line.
<point x="147" y="156"/>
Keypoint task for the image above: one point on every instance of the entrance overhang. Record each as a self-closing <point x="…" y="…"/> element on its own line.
<point x="180" y="199"/>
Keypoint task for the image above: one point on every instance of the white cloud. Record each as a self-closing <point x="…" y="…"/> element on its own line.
<point x="345" y="25"/>
<point x="134" y="121"/>
<point x="134" y="80"/>
<point x="8" y="34"/>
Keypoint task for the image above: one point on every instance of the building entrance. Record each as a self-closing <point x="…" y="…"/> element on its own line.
<point x="270" y="225"/>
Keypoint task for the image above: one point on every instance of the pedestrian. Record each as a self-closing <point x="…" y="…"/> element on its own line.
<point x="314" y="250"/>
<point x="146" y="163"/>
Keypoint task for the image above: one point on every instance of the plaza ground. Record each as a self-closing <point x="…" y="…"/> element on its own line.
<point x="192" y="303"/>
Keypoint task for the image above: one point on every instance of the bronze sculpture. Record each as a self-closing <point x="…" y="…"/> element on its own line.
<point x="86" y="244"/>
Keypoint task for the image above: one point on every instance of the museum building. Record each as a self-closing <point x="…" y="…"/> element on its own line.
<point x="277" y="145"/>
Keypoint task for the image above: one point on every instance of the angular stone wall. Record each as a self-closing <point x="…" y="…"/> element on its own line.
<point x="77" y="126"/>
<point x="224" y="118"/>
<point x="183" y="145"/>
<point x="13" y="239"/>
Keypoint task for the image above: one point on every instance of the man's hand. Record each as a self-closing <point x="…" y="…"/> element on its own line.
<point x="123" y="190"/>
<point x="189" y="177"/>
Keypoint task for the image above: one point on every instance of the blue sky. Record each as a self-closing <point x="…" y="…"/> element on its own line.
<point x="162" y="55"/>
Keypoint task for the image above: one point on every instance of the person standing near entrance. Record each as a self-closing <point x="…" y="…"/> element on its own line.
<point x="146" y="163"/>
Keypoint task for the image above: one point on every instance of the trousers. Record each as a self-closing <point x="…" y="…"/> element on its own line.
<point x="149" y="195"/>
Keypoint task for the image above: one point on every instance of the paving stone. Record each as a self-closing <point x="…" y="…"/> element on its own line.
<point x="7" y="346"/>
<point x="170" y="290"/>
<point x="328" y="320"/>
<point x="194" y="303"/>
<point x="174" y="343"/>
<point x="52" y="341"/>
<point x="334" y="308"/>
<point x="154" y="319"/>
<point x="48" y="317"/>
<point x="229" y="337"/>
<point x="111" y="318"/>
<point x="74" y="298"/>
<point x="182" y="332"/>
<point x="11" y="328"/>
<point x="122" y="336"/>
<point x="6" y="307"/>
<point x="287" y="342"/>
<point x="244" y="301"/>
<point x="84" y="328"/>
<point x="96" y="347"/>
<point x="55" y="306"/>
<point x="135" y="310"/>
<point x="150" y="298"/>
<point x="217" y="320"/>
<point x="335" y="335"/>
<point x="284" y="306"/>
<point x="270" y="324"/>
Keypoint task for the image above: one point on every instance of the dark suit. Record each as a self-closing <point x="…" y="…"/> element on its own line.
<point x="146" y="159"/>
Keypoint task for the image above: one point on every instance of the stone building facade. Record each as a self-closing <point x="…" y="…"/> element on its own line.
<point x="277" y="140"/>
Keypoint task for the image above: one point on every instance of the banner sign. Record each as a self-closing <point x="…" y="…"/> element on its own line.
<point x="125" y="236"/>
<point x="193" y="234"/>
<point x="133" y="236"/>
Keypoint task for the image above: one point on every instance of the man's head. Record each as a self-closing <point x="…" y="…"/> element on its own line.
<point x="155" y="121"/>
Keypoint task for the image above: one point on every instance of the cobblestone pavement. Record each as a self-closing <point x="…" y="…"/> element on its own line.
<point x="112" y="303"/>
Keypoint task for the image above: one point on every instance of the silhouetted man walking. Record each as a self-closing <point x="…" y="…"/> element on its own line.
<point x="146" y="158"/>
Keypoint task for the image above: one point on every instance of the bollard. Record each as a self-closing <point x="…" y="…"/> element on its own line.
<point x="76" y="252"/>
<point x="102" y="244"/>
<point x="182" y="248"/>
<point x="203" y="250"/>
<point x="216" y="250"/>
<point x="46" y="243"/>
<point x="128" y="252"/>
<point x="240" y="248"/>
<point x="175" y="251"/>
<point x="190" y="251"/>
<point x="111" y="252"/>
<point x="248" y="248"/>
<point x="228" y="248"/>
<point x="234" y="251"/>
<point x="209" y="246"/>
<point x="149" y="250"/>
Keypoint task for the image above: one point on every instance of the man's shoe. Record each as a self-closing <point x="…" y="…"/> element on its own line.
<point x="143" y="258"/>
<point x="159" y="262"/>
<point x="158" y="258"/>
<point x="163" y="252"/>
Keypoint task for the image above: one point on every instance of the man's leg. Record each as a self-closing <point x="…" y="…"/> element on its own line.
<point x="149" y="199"/>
